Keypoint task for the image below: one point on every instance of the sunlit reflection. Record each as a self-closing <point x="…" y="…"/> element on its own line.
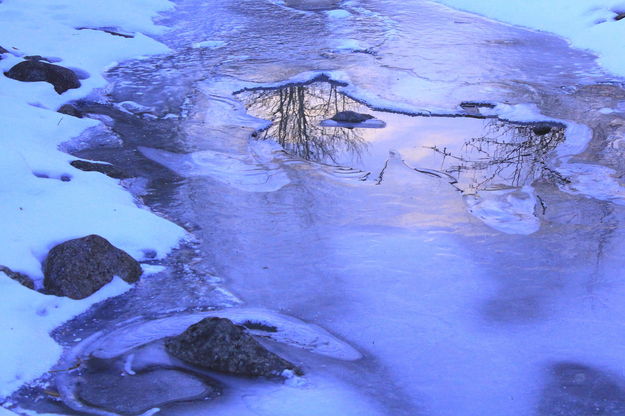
<point x="481" y="154"/>
<point x="506" y="154"/>
<point x="296" y="112"/>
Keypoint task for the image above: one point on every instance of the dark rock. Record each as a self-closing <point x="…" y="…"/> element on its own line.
<point x="70" y="110"/>
<point x="351" y="117"/>
<point x="136" y="394"/>
<point x="578" y="390"/>
<point x="2" y="50"/>
<point x="476" y="104"/>
<point x="18" y="277"/>
<point x="541" y="130"/>
<point x="259" y="326"/>
<point x="80" y="267"/>
<point x="218" y="344"/>
<point x="109" y="170"/>
<point x="61" y="78"/>
<point x="36" y="58"/>
<point x="619" y="16"/>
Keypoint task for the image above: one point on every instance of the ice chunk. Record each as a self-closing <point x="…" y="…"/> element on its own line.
<point x="594" y="181"/>
<point x="210" y="44"/>
<point x="338" y="14"/>
<point x="511" y="211"/>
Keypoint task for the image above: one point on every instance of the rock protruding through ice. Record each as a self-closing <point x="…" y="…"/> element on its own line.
<point x="288" y="330"/>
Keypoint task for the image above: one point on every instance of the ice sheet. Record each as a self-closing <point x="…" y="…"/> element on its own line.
<point x="588" y="24"/>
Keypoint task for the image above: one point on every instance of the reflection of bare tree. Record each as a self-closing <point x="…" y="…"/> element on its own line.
<point x="507" y="154"/>
<point x="297" y="110"/>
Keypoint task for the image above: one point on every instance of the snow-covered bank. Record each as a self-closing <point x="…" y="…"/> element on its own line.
<point x="44" y="200"/>
<point x="595" y="25"/>
<point x="28" y="316"/>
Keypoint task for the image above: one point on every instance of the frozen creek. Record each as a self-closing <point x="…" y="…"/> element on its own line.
<point x="446" y="291"/>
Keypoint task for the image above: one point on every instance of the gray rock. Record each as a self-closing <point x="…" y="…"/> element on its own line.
<point x="18" y="277"/>
<point x="80" y="267"/>
<point x="70" y="110"/>
<point x="351" y="117"/>
<point x="218" y="344"/>
<point x="136" y="394"/>
<point x="109" y="170"/>
<point x="61" y="78"/>
<point x="2" y="50"/>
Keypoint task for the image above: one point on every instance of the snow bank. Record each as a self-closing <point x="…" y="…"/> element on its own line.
<point x="43" y="200"/>
<point x="27" y="317"/>
<point x="587" y="24"/>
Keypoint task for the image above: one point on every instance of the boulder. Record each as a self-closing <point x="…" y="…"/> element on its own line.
<point x="61" y="78"/>
<point x="109" y="170"/>
<point x="220" y="345"/>
<point x="351" y="117"/>
<point x="70" y="110"/>
<point x="80" y="267"/>
<point x="18" y="277"/>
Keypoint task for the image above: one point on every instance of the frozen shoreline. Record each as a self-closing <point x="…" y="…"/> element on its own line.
<point x="590" y="25"/>
<point x="406" y="249"/>
<point x="46" y="201"/>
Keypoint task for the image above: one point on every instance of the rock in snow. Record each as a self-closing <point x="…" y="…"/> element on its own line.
<point x="351" y="117"/>
<point x="220" y="345"/>
<point x="109" y="170"/>
<point x="70" y="110"/>
<point x="61" y="78"/>
<point x="80" y="267"/>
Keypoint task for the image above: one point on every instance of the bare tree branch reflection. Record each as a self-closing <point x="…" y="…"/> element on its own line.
<point x="508" y="154"/>
<point x="297" y="110"/>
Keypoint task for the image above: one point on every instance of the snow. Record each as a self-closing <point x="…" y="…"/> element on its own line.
<point x="45" y="201"/>
<point x="27" y="318"/>
<point x="587" y="24"/>
<point x="5" y="412"/>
